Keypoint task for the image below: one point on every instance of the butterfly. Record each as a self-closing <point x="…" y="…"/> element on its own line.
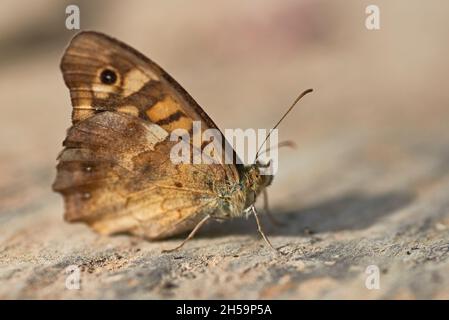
<point x="115" y="173"/>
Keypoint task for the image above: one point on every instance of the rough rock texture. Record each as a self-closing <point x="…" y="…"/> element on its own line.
<point x="368" y="184"/>
<point x="327" y="246"/>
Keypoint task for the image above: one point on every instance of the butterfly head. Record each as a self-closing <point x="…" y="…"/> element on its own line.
<point x="255" y="182"/>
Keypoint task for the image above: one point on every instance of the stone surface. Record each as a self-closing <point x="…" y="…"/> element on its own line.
<point x="368" y="184"/>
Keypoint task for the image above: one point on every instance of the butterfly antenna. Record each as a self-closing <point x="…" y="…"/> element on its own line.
<point x="280" y="120"/>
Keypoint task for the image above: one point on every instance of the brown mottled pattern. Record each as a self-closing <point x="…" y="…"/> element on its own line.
<point x="116" y="177"/>
<point x="115" y="172"/>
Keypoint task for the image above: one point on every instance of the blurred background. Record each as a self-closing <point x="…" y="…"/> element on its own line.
<point x="379" y="94"/>
<point x="372" y="138"/>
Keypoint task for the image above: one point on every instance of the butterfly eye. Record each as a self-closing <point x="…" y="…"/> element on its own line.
<point x="108" y="76"/>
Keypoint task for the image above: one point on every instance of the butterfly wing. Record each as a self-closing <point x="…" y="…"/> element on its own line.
<point x="115" y="172"/>
<point x="115" y="175"/>
<point x="141" y="87"/>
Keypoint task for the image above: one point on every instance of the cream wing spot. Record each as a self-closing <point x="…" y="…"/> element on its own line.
<point x="102" y="91"/>
<point x="134" y="80"/>
<point x="154" y="134"/>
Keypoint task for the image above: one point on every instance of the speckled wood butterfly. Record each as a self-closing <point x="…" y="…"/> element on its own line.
<point x="115" y="172"/>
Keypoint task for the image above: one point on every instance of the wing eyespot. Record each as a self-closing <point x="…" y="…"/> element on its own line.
<point x="108" y="76"/>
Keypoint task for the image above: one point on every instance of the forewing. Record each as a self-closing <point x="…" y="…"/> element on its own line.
<point x="142" y="88"/>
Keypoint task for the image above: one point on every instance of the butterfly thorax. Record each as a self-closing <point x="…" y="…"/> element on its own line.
<point x="237" y="197"/>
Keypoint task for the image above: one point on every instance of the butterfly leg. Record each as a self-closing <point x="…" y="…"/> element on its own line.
<point x="259" y="228"/>
<point x="267" y="210"/>
<point x="190" y="236"/>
